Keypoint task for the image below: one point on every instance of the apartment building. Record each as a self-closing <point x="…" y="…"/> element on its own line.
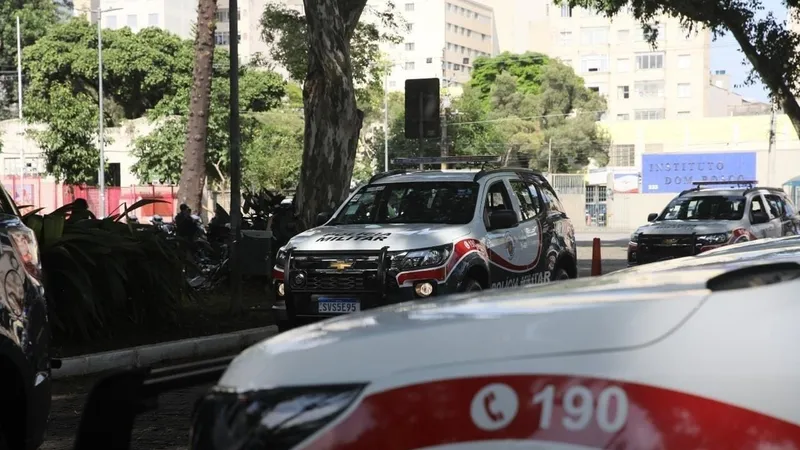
<point x="441" y="38"/>
<point x="179" y="17"/>
<point x="640" y="82"/>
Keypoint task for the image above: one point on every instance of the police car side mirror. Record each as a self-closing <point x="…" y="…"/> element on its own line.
<point x="503" y="219"/>
<point x="652" y="217"/>
<point x="322" y="218"/>
<point x="757" y="217"/>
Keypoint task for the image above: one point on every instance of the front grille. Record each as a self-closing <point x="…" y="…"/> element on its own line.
<point x="327" y="283"/>
<point x="659" y="247"/>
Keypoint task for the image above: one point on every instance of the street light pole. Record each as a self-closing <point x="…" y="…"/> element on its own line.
<point x="101" y="173"/>
<point x="386" y="121"/>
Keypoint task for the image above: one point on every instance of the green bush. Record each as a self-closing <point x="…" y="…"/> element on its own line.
<point x="102" y="272"/>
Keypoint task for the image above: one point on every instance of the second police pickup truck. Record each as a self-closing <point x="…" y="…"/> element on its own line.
<point x="414" y="235"/>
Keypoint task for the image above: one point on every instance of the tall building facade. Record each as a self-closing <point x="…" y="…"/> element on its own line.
<point x="640" y="81"/>
<point x="441" y="39"/>
<point x="179" y="17"/>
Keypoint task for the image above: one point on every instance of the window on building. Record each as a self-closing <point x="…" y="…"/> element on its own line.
<point x="409" y="46"/>
<point x="659" y="28"/>
<point x="409" y="6"/>
<point x="222" y="37"/>
<point x="594" y="63"/>
<point x="684" y="90"/>
<point x="152" y="20"/>
<point x="623" y="116"/>
<point x="594" y="36"/>
<point x="594" y="88"/>
<point x="622" y="156"/>
<point x="684" y="114"/>
<point x="428" y="60"/>
<point x="223" y="15"/>
<point x="409" y="65"/>
<point x="111" y="21"/>
<point x="566" y="11"/>
<point x="648" y="114"/>
<point x="409" y="27"/>
<point x="392" y="84"/>
<point x="565" y="37"/>
<point x="133" y="21"/>
<point x="623" y="36"/>
<point x="649" y="89"/>
<point x="647" y="61"/>
<point x="623" y="92"/>
<point x="623" y="65"/>
<point x="684" y="61"/>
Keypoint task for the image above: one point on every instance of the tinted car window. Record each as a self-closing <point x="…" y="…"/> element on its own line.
<point x="529" y="207"/>
<point x="551" y="199"/>
<point x="776" y="205"/>
<point x="710" y="207"/>
<point x="426" y="202"/>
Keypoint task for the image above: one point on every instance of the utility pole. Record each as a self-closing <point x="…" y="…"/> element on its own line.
<point x="19" y="107"/>
<point x="386" y="121"/>
<point x="446" y="106"/>
<point x="549" y="156"/>
<point x="236" y="162"/>
<point x="101" y="172"/>
<point x="772" y="131"/>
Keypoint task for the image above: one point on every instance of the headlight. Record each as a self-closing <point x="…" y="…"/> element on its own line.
<point x="719" y="238"/>
<point x="24" y="242"/>
<point x="275" y="419"/>
<point x="635" y="237"/>
<point x="415" y="259"/>
<point x="280" y="258"/>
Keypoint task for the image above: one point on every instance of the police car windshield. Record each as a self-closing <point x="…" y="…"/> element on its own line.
<point x="426" y="202"/>
<point x="710" y="207"/>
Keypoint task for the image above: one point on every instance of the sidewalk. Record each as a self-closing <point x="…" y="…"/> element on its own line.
<point x="583" y="236"/>
<point x="148" y="355"/>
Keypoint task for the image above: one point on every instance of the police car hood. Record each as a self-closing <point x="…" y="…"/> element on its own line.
<point x="700" y="227"/>
<point x="377" y="236"/>
<point x="578" y="316"/>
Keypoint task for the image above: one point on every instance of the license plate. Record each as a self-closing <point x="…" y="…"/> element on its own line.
<point x="335" y="305"/>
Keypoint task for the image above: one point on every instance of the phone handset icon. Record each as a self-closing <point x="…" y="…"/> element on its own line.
<point x="488" y="406"/>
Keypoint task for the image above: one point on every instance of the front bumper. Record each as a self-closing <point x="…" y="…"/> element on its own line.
<point x="369" y="282"/>
<point x="658" y="247"/>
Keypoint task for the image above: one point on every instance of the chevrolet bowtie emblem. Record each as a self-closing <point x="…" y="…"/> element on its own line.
<point x="341" y="265"/>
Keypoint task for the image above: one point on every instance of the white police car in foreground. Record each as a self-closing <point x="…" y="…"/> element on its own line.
<point x="697" y="355"/>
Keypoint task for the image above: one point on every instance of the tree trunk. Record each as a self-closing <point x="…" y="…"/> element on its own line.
<point x="332" y="120"/>
<point x="193" y="172"/>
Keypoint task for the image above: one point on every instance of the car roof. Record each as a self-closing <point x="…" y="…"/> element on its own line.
<point x="430" y="176"/>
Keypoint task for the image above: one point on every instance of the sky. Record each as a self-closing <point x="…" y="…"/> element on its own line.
<point x="725" y="55"/>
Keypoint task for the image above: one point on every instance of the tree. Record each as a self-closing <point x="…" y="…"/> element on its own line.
<point x="285" y="30"/>
<point x="768" y="44"/>
<point x="160" y="153"/>
<point x="193" y="173"/>
<point x="139" y="71"/>
<point x="273" y="157"/>
<point x="35" y="17"/>
<point x="515" y="104"/>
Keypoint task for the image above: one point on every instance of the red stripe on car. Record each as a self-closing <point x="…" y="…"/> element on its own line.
<point x="591" y="412"/>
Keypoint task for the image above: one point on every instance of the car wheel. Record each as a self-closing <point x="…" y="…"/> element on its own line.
<point x="470" y="285"/>
<point x="559" y="274"/>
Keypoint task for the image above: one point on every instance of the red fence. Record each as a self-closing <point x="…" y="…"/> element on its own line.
<point x="44" y="193"/>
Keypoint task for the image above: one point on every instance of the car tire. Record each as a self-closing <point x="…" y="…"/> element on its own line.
<point x="470" y="285"/>
<point x="559" y="274"/>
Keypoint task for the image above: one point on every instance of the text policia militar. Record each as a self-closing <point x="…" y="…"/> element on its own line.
<point x="531" y="278"/>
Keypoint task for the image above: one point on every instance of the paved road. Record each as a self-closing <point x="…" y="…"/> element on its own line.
<point x="167" y="428"/>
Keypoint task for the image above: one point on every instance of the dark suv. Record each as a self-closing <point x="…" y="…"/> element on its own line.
<point x="24" y="335"/>
<point x="416" y="235"/>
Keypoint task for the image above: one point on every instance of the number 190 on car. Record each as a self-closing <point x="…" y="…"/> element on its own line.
<point x="338" y="305"/>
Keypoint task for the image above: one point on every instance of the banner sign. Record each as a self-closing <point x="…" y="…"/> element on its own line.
<point x="675" y="172"/>
<point x="626" y="183"/>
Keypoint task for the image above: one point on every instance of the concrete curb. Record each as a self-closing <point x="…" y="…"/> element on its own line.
<point x="145" y="355"/>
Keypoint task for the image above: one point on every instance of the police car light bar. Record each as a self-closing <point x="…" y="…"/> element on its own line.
<point x="750" y="183"/>
<point x="446" y="160"/>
